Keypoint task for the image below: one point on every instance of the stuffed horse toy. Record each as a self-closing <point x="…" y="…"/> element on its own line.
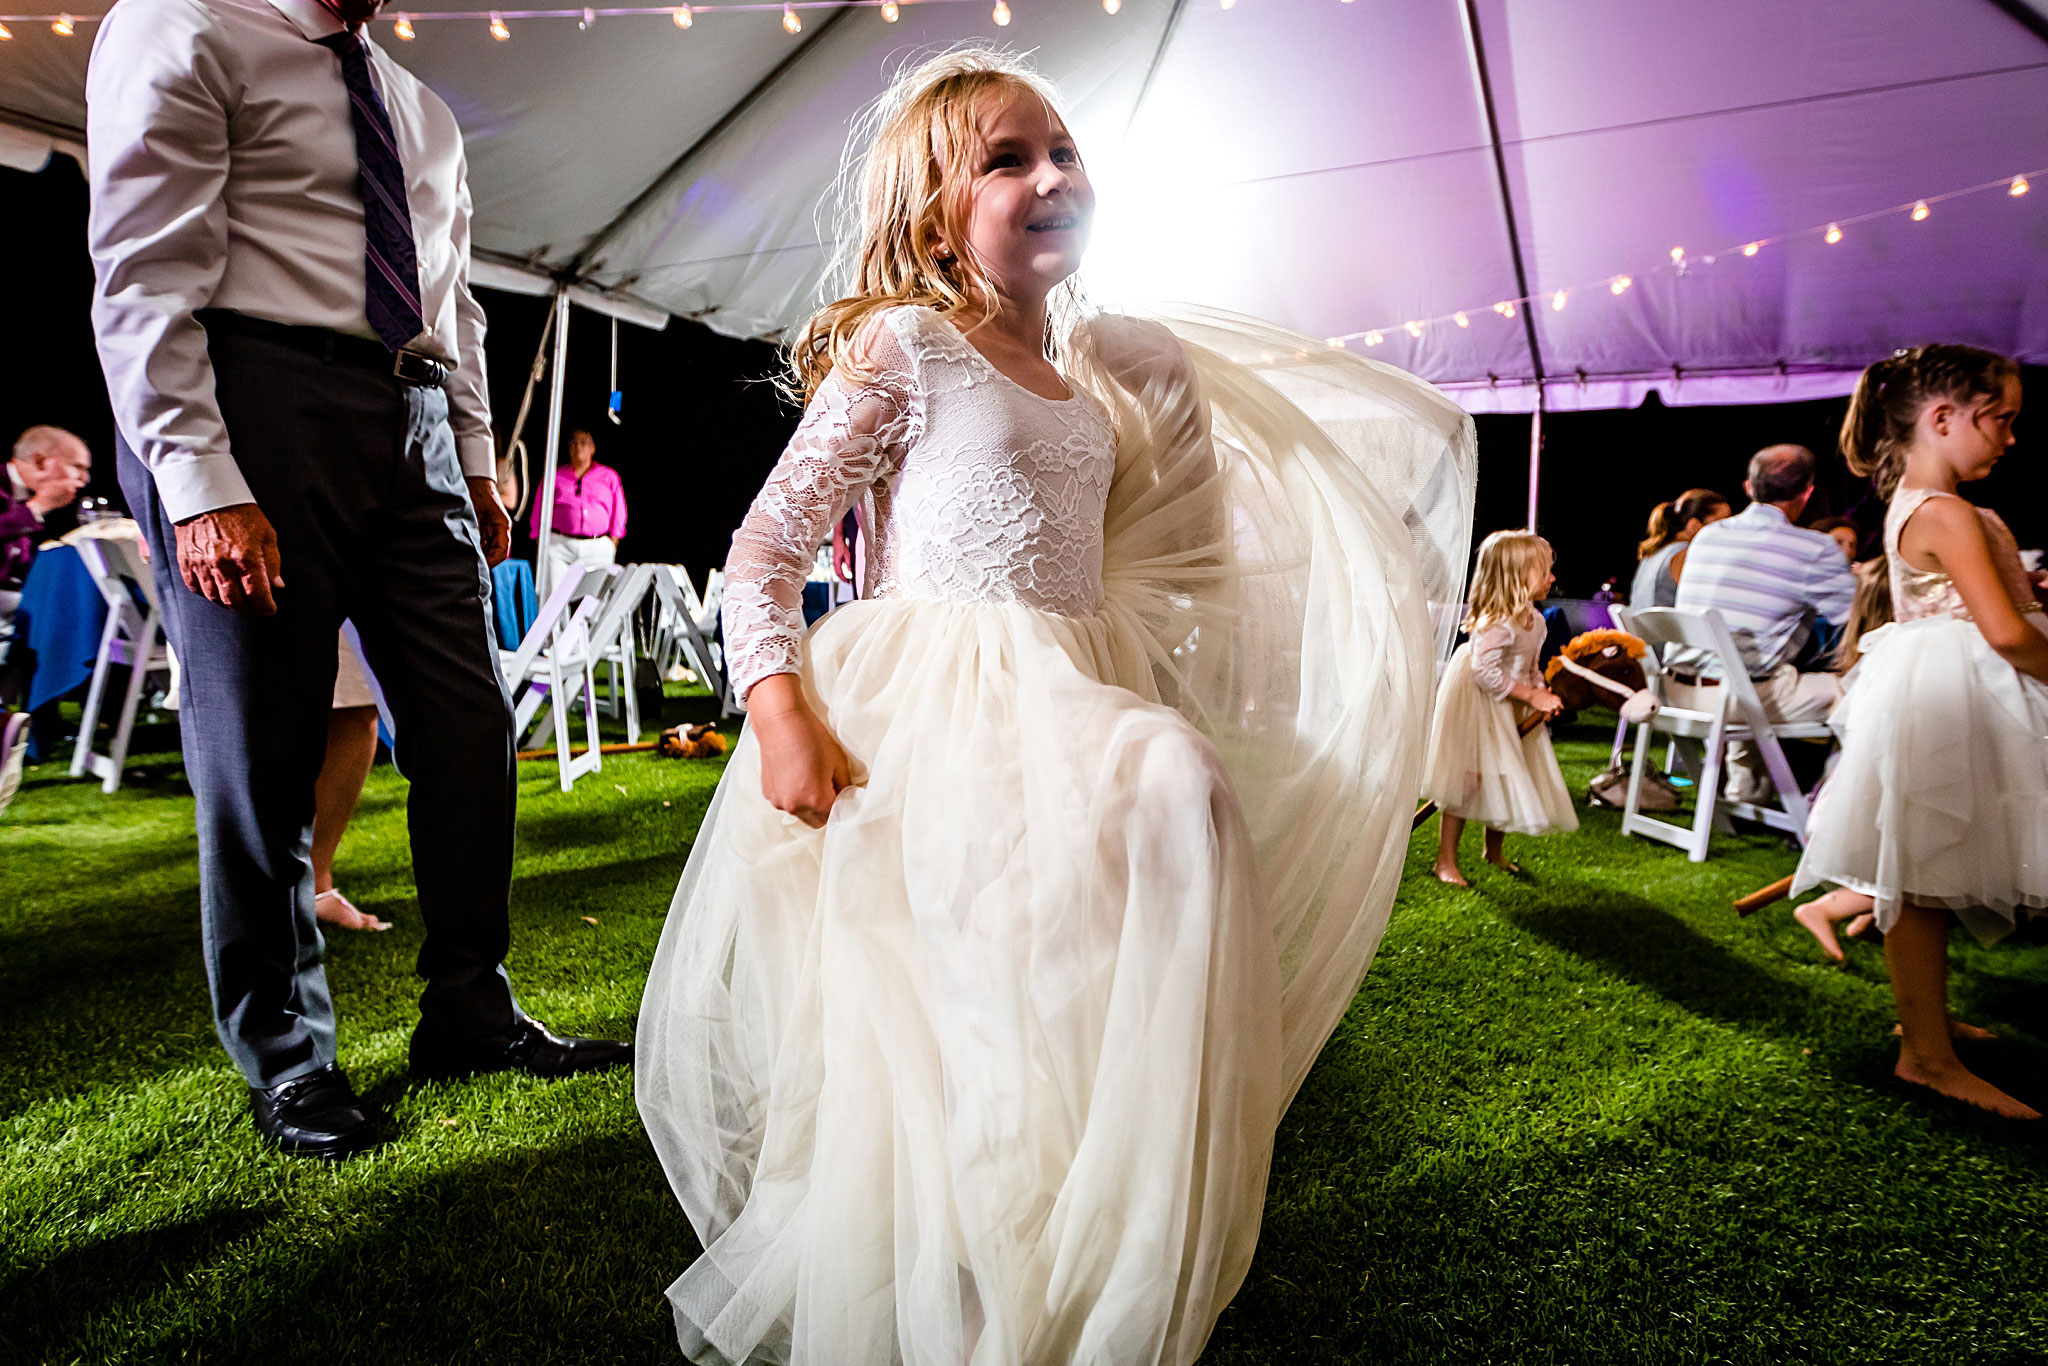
<point x="1603" y="669"/>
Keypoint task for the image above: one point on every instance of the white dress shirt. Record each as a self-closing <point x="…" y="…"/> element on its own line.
<point x="223" y="175"/>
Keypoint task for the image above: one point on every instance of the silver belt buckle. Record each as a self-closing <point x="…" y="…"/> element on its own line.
<point x="414" y="368"/>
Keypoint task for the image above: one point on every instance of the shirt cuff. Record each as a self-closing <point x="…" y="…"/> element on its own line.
<point x="479" y="457"/>
<point x="200" y="484"/>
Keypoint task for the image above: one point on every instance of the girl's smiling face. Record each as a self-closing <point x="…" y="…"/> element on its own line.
<point x="1029" y="203"/>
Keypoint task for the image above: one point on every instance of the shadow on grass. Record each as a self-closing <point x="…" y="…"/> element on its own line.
<point x="558" y="1254"/>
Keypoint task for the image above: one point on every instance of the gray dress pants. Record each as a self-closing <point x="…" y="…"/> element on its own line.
<point x="359" y="475"/>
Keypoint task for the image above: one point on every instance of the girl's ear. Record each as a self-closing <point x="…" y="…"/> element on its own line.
<point x="1939" y="414"/>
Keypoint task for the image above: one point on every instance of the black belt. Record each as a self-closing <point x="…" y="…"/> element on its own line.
<point x="334" y="348"/>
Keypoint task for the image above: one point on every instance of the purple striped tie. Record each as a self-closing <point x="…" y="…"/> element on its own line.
<point x="391" y="270"/>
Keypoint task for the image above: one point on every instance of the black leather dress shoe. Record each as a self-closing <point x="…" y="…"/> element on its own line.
<point x="531" y="1048"/>
<point x="317" y="1115"/>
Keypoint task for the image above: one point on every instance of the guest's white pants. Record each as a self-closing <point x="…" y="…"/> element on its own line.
<point x="577" y="552"/>
<point x="1788" y="696"/>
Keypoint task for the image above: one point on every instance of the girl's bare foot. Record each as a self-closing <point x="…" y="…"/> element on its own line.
<point x="1959" y="1083"/>
<point x="1860" y="926"/>
<point x="1960" y="1030"/>
<point x="1448" y="872"/>
<point x="335" y="909"/>
<point x="1501" y="861"/>
<point x="1814" y="916"/>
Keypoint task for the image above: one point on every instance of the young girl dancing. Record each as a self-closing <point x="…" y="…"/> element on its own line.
<point x="1481" y="766"/>
<point x="1042" y="871"/>
<point x="1939" y="800"/>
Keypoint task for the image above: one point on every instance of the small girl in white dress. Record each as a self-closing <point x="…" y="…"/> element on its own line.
<point x="1042" y="871"/>
<point x="1938" y="803"/>
<point x="1482" y="766"/>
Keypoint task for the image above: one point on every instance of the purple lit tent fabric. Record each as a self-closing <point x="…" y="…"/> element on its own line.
<point x="1329" y="166"/>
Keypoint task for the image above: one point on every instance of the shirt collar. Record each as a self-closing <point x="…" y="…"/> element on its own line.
<point x="20" y="490"/>
<point x="311" y="18"/>
<point x="1767" y="511"/>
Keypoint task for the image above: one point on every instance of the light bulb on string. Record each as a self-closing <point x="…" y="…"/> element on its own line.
<point x="1001" y="14"/>
<point x="63" y="26"/>
<point x="1336" y="343"/>
<point x="1557" y="302"/>
<point x="1505" y="309"/>
<point x="2018" y="187"/>
<point x="402" y="30"/>
<point x="1414" y="329"/>
<point x="6" y="34"/>
<point x="684" y="18"/>
<point x="1112" y="6"/>
<point x="1920" y="211"/>
<point x="1461" y="320"/>
<point x="889" y="11"/>
<point x="790" y="23"/>
<point x="1373" y="339"/>
<point x="589" y="18"/>
<point x="498" y="29"/>
<point x="1226" y="4"/>
<point x="1752" y="249"/>
<point x="1678" y="256"/>
<point x="1619" y="284"/>
<point x="1833" y="234"/>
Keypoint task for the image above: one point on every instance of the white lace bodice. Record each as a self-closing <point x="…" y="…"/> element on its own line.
<point x="971" y="488"/>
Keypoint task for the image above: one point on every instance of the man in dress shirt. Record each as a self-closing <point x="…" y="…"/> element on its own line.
<point x="280" y="236"/>
<point x="1770" y="580"/>
<point x="48" y="468"/>
<point x="590" y="511"/>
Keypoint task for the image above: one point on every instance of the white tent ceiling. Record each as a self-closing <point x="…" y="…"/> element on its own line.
<point x="1326" y="165"/>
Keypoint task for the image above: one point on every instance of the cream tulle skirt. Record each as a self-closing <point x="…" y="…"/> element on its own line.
<point x="1940" y="795"/>
<point x="990" y="1064"/>
<point x="1481" y="768"/>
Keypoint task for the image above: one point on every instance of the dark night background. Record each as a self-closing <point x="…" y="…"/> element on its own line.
<point x="703" y="424"/>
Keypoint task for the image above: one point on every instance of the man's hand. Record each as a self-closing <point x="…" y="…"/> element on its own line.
<point x="493" y="523"/>
<point x="230" y="556"/>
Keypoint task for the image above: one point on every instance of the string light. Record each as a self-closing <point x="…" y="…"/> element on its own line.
<point x="790" y="23"/>
<point x="1414" y="328"/>
<point x="1226" y="4"/>
<point x="498" y="29"/>
<point x="1557" y="302"/>
<point x="889" y="11"/>
<point x="1677" y="258"/>
<point x="1002" y="14"/>
<point x="1112" y="6"/>
<point x="1460" y="319"/>
<point x="402" y="30"/>
<point x="6" y="34"/>
<point x="1373" y="339"/>
<point x="63" y="26"/>
<point x="1336" y="343"/>
<point x="2019" y="186"/>
<point x="1619" y="284"/>
<point x="588" y="20"/>
<point x="684" y="18"/>
<point x="1752" y="248"/>
<point x="1920" y="211"/>
<point x="1505" y="309"/>
<point x="1834" y="234"/>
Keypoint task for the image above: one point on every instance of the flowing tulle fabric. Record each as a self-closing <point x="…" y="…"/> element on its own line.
<point x="1482" y="768"/>
<point x="1940" y="796"/>
<point x="988" y="1070"/>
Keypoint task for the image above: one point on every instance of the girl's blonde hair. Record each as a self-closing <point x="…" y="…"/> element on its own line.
<point x="1870" y="609"/>
<point x="1500" y="585"/>
<point x="905" y="205"/>
<point x="1891" y="393"/>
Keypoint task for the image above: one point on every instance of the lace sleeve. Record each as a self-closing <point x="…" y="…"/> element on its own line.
<point x="1493" y="659"/>
<point x="853" y="435"/>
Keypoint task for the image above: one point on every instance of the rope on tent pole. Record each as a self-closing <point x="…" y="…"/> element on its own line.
<point x="515" y="450"/>
<point x="616" y="399"/>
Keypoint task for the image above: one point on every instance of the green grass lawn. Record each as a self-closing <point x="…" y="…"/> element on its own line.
<point x="1589" y="1116"/>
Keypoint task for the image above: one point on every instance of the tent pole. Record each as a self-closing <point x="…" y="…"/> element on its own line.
<point x="554" y="446"/>
<point x="1535" y="454"/>
<point x="1475" y="47"/>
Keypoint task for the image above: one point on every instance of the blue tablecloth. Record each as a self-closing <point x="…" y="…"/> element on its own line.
<point x="60" y="619"/>
<point x="512" y="598"/>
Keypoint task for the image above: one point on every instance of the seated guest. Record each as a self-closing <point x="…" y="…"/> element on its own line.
<point x="1769" y="579"/>
<point x="1660" y="559"/>
<point x="590" y="511"/>
<point x="1843" y="532"/>
<point x="49" y="467"/>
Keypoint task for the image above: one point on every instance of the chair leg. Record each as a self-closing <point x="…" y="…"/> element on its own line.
<point x="563" y="763"/>
<point x="1633" y="806"/>
<point x="1790" y="798"/>
<point x="95" y="696"/>
<point x="1707" y="799"/>
<point x="632" y="700"/>
<point x="138" y="675"/>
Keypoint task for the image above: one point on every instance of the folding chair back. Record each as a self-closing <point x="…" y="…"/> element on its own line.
<point x="553" y="663"/>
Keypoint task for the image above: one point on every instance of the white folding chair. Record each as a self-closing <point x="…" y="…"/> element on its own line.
<point x="682" y="627"/>
<point x="612" y="643"/>
<point x="133" y="638"/>
<point x="553" y="663"/>
<point x="1734" y="712"/>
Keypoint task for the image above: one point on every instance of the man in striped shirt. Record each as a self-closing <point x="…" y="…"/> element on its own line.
<point x="1769" y="579"/>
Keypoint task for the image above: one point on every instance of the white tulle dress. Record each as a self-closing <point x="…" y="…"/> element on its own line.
<point x="1940" y="794"/>
<point x="1480" y="766"/>
<point x="988" y="1069"/>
